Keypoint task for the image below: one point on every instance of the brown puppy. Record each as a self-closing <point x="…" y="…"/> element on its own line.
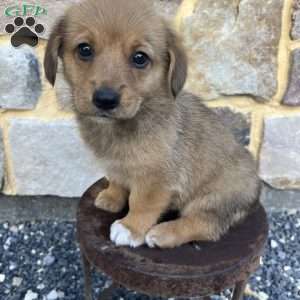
<point x="160" y="147"/>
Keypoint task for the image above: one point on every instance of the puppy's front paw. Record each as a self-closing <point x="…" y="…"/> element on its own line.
<point x="162" y="236"/>
<point x="122" y="236"/>
<point x="108" y="203"/>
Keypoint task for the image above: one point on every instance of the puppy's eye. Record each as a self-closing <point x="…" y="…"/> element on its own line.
<point x="140" y="60"/>
<point x="85" y="51"/>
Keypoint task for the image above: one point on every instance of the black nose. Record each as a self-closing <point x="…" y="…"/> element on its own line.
<point x="106" y="99"/>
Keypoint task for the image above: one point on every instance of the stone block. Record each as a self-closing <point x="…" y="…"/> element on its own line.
<point x="20" y="81"/>
<point x="295" y="34"/>
<point x="50" y="158"/>
<point x="280" y="152"/>
<point x="233" y="48"/>
<point x="292" y="96"/>
<point x="275" y="199"/>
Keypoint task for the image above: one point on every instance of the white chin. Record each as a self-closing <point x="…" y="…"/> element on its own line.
<point x="100" y="119"/>
<point x="104" y="119"/>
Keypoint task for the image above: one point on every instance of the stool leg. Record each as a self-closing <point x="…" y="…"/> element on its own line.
<point x="108" y="292"/>
<point x="239" y="290"/>
<point x="87" y="278"/>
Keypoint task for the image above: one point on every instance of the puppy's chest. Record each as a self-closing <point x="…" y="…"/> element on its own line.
<point x="125" y="158"/>
<point x="132" y="160"/>
<point x="124" y="171"/>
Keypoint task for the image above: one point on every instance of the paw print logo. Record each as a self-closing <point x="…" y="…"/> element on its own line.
<point x="23" y="34"/>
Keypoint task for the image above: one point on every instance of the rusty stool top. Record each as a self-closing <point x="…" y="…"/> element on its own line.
<point x="196" y="269"/>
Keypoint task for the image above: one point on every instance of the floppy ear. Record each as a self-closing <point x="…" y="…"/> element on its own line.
<point x="53" y="51"/>
<point x="178" y="63"/>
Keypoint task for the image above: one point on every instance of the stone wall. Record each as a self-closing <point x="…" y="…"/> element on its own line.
<point x="244" y="62"/>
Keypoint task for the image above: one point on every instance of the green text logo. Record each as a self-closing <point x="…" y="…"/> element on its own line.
<point x="25" y="10"/>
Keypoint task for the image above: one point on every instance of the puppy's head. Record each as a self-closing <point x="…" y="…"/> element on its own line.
<point x="118" y="56"/>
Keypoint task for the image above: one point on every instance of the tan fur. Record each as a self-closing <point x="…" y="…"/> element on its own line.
<point x="113" y="198"/>
<point x="161" y="145"/>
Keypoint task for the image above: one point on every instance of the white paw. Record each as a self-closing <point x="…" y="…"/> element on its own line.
<point x="151" y="240"/>
<point x="122" y="236"/>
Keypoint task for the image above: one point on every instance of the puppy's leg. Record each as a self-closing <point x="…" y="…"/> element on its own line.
<point x="146" y="204"/>
<point x="183" y="230"/>
<point x="193" y="225"/>
<point x="113" y="198"/>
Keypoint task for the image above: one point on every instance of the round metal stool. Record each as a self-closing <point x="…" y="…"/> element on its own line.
<point x="196" y="269"/>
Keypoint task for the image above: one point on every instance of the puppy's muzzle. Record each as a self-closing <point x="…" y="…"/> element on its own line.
<point x="106" y="99"/>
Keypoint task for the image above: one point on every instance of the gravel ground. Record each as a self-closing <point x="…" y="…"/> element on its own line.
<point x="41" y="260"/>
